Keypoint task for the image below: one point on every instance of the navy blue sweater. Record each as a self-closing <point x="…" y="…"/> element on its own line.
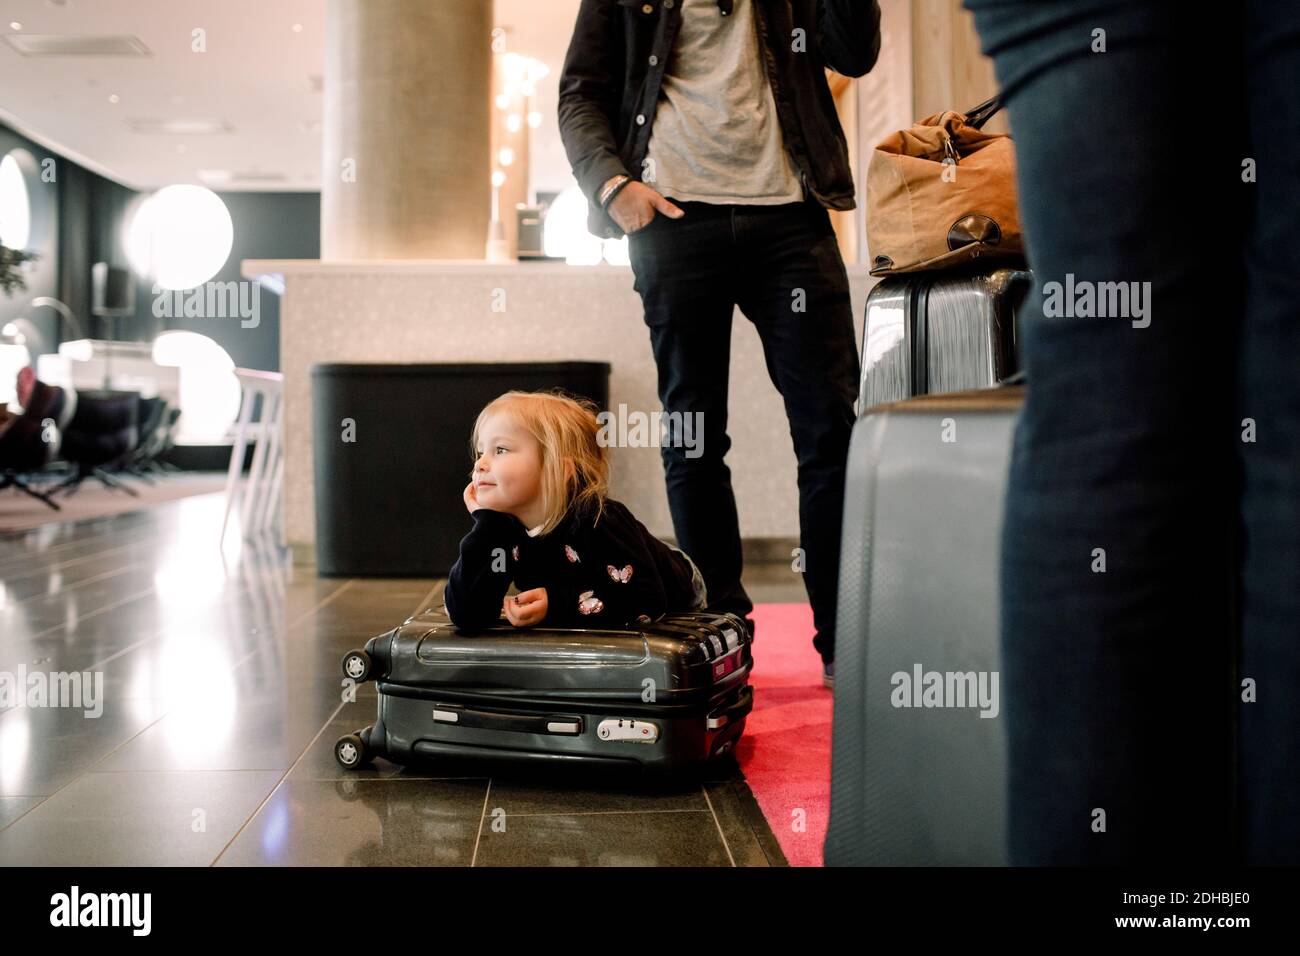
<point x="607" y="573"/>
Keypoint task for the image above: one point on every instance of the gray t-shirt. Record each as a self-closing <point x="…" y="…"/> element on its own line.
<point x="716" y="135"/>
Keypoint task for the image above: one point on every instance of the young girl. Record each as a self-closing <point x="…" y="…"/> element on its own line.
<point x="543" y="519"/>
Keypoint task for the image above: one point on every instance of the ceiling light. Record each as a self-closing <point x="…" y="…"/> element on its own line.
<point x="179" y="126"/>
<point x="297" y="28"/>
<point x="32" y="44"/>
<point x="114" y="98"/>
<point x="258" y="176"/>
<point x="15" y="25"/>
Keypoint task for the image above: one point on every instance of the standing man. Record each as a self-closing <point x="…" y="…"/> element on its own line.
<point x="706" y="132"/>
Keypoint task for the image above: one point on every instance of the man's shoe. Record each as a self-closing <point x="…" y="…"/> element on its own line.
<point x="828" y="675"/>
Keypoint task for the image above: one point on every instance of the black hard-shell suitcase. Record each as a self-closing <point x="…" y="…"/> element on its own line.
<point x="928" y="333"/>
<point x="666" y="696"/>
<point x="926" y="785"/>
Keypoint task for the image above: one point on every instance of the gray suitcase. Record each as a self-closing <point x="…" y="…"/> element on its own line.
<point x="933" y="332"/>
<point x="921" y="785"/>
<point x="668" y="696"/>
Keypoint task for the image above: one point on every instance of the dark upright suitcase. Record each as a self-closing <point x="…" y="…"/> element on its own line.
<point x="668" y="696"/>
<point x="927" y="333"/>
<point x="918" y="595"/>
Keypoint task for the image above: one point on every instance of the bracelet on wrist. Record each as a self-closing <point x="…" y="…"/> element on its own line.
<point x="609" y="185"/>
<point x="613" y="191"/>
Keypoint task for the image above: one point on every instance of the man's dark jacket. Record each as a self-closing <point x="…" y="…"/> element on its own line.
<point x="614" y="68"/>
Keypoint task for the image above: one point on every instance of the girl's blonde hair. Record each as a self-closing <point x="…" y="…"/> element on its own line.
<point x="565" y="427"/>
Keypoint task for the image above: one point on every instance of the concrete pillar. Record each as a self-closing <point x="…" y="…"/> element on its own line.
<point x="406" y="167"/>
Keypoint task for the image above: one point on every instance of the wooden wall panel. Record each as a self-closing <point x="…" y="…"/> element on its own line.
<point x="948" y="69"/>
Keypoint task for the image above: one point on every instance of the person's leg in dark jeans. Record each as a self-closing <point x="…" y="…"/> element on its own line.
<point x="793" y="286"/>
<point x="1116" y="556"/>
<point x="1270" y="725"/>
<point x="684" y="272"/>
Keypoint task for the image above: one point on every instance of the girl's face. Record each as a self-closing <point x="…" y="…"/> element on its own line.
<point x="508" y="468"/>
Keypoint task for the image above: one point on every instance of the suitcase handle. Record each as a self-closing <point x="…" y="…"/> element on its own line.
<point x="493" y="720"/>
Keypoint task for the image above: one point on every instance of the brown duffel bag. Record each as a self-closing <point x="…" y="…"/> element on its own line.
<point x="941" y="194"/>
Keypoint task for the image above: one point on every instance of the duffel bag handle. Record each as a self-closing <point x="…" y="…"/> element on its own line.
<point x="981" y="114"/>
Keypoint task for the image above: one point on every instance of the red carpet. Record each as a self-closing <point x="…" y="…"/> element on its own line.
<point x="786" y="750"/>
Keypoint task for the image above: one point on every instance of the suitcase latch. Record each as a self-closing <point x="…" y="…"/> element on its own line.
<point x="636" y="731"/>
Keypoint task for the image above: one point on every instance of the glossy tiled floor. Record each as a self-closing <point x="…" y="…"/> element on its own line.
<point x="221" y="702"/>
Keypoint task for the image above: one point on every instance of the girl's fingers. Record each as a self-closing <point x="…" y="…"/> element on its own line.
<point x="527" y="608"/>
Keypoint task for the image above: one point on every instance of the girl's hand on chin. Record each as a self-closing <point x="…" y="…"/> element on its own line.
<point x="526" y="608"/>
<point x="471" y="500"/>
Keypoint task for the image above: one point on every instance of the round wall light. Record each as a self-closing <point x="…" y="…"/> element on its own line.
<point x="210" y="392"/>
<point x="15" y="205"/>
<point x="180" y="236"/>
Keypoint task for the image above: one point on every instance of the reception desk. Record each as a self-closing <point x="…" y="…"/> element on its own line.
<point x="473" y="311"/>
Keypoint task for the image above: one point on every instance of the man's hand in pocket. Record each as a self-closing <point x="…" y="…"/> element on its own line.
<point x="637" y="204"/>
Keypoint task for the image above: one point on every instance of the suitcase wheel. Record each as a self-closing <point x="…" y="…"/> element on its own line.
<point x="350" y="752"/>
<point x="356" y="665"/>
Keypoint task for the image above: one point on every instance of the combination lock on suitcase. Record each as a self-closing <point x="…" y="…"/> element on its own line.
<point x="668" y="696"/>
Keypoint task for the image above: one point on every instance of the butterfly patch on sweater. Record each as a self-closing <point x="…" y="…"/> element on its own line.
<point x="571" y="554"/>
<point x="588" y="603"/>
<point x="621" y="575"/>
<point x="514" y="552"/>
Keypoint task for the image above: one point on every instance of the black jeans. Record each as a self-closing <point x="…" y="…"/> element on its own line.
<point x="781" y="264"/>
<point x="1171" y="450"/>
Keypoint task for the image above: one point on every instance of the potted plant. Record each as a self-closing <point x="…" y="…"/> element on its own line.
<point x="11" y="269"/>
